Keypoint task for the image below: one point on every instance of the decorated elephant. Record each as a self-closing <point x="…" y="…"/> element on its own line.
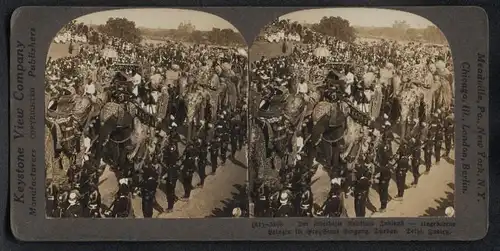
<point x="196" y="103"/>
<point x="443" y="96"/>
<point x="390" y="83"/>
<point x="373" y="96"/>
<point x="411" y="99"/>
<point x="122" y="133"/>
<point x="232" y="94"/>
<point x="337" y="126"/>
<point x="273" y="138"/>
<point x="69" y="119"/>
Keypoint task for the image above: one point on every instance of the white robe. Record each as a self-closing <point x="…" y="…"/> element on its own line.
<point x="90" y="89"/>
<point x="303" y="88"/>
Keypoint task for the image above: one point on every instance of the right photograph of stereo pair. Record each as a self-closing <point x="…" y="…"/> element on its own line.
<point x="351" y="115"/>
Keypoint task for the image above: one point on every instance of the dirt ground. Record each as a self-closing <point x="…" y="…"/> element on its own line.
<point x="435" y="192"/>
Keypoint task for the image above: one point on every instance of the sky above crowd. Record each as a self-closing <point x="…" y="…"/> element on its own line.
<point x="160" y="18"/>
<point x="366" y="17"/>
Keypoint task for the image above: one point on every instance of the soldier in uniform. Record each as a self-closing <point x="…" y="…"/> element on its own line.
<point x="61" y="203"/>
<point x="449" y="132"/>
<point x="437" y="130"/>
<point x="222" y="130"/>
<point x="286" y="208"/>
<point x="93" y="209"/>
<point x="236" y="131"/>
<point x="333" y="206"/>
<point x="416" y="153"/>
<point x="262" y="201"/>
<point x="188" y="169"/>
<point x="170" y="153"/>
<point x="214" y="148"/>
<point x="50" y="202"/>
<point x="77" y="181"/>
<point x="148" y="190"/>
<point x="72" y="172"/>
<point x="121" y="204"/>
<point x="306" y="199"/>
<point x="74" y="209"/>
<point x="242" y="137"/>
<point x="410" y="127"/>
<point x="402" y="168"/>
<point x="172" y="131"/>
<point x="361" y="187"/>
<point x="428" y="148"/>
<point x="202" y="147"/>
<point x="170" y="177"/>
<point x="387" y="134"/>
<point x="384" y="157"/>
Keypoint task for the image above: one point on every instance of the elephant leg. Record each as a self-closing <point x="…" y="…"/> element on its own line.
<point x="260" y="149"/>
<point x="201" y="112"/>
<point x="60" y="161"/>
<point x="403" y="125"/>
<point x="189" y="131"/>
<point x="180" y="112"/>
<point x="71" y="158"/>
<point x="328" y="156"/>
<point x="219" y="101"/>
<point x="136" y="149"/>
<point x="214" y="113"/>
<point x="312" y="153"/>
<point x="122" y="155"/>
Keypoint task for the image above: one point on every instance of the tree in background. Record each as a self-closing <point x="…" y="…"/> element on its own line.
<point x="215" y="36"/>
<point x="187" y="32"/>
<point x="336" y="27"/>
<point x="224" y="37"/>
<point x="186" y="27"/>
<point x="121" y="28"/>
<point x="401" y="25"/>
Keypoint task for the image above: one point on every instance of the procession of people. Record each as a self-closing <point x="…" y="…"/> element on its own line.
<point x="154" y="114"/>
<point x="364" y="111"/>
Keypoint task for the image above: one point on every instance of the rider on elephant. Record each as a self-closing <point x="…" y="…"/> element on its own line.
<point x="121" y="91"/>
<point x="303" y="89"/>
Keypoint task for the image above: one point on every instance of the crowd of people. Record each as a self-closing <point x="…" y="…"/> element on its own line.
<point x="373" y="110"/>
<point x="128" y="106"/>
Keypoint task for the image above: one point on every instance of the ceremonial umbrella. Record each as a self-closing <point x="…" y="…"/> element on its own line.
<point x="322" y="52"/>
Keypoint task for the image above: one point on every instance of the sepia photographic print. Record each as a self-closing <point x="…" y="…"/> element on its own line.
<point x="352" y="116"/>
<point x="146" y="116"/>
<point x="245" y="123"/>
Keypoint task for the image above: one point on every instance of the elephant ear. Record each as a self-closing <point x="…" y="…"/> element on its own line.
<point x="293" y="107"/>
<point x="48" y="99"/>
<point x="163" y="101"/>
<point x="314" y="95"/>
<point x="320" y="110"/>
